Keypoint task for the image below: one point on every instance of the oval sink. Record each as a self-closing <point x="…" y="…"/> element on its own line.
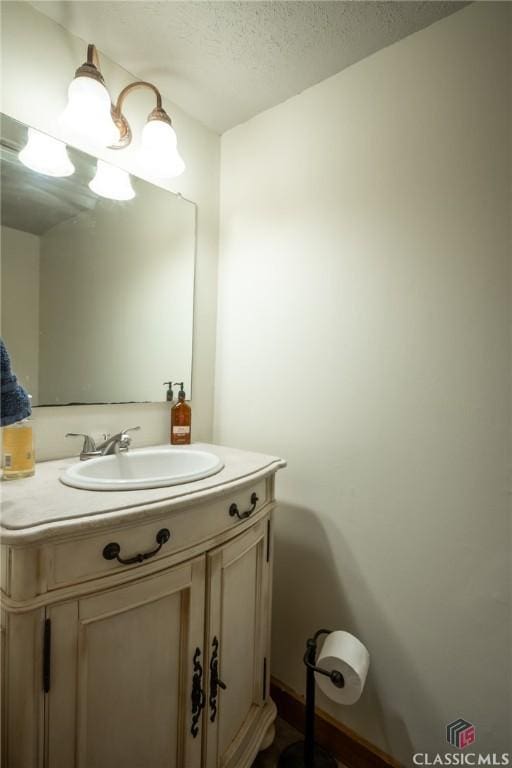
<point x="153" y="468"/>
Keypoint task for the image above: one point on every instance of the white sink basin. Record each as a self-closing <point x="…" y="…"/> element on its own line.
<point x="153" y="468"/>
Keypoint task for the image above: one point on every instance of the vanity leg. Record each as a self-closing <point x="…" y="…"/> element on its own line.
<point x="268" y="738"/>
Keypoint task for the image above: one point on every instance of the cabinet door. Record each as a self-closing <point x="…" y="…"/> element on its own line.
<point x="121" y="674"/>
<point x="238" y="583"/>
<point x="21" y="688"/>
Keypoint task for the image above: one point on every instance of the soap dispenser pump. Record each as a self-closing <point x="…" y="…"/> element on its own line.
<point x="181" y="419"/>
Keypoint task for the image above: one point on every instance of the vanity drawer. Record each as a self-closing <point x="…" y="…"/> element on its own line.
<point x="81" y="559"/>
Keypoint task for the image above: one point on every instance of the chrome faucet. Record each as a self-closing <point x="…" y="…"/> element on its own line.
<point x="113" y="444"/>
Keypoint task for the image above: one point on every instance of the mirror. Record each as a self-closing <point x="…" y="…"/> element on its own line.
<point x="97" y="294"/>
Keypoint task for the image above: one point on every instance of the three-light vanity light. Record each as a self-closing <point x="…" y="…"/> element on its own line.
<point x="91" y="116"/>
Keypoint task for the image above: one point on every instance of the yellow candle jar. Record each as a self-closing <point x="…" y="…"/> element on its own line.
<point x="18" y="457"/>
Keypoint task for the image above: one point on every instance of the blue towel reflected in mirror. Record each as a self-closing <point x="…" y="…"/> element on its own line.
<point x="15" y="404"/>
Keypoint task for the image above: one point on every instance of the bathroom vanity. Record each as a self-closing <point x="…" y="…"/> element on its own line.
<point x="136" y="624"/>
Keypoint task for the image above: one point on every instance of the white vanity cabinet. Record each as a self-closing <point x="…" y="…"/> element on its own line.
<point x="163" y="663"/>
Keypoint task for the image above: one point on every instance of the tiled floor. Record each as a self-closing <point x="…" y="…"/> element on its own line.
<point x="285" y="735"/>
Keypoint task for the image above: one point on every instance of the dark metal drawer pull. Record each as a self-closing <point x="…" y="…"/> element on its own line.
<point x="215" y="681"/>
<point x="233" y="510"/>
<point x="112" y="550"/>
<point x="197" y="697"/>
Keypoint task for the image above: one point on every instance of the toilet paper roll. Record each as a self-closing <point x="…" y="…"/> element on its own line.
<point x="346" y="654"/>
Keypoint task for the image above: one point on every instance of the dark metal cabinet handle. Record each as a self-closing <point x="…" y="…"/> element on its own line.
<point x="197" y="697"/>
<point x="233" y="510"/>
<point x="112" y="550"/>
<point x="215" y="681"/>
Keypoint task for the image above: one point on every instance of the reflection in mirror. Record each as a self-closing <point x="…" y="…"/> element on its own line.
<point x="97" y="293"/>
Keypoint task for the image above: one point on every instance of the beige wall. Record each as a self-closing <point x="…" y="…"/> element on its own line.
<point x="362" y="334"/>
<point x="38" y="61"/>
<point x="19" y="255"/>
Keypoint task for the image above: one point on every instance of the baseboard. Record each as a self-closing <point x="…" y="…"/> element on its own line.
<point x="349" y="748"/>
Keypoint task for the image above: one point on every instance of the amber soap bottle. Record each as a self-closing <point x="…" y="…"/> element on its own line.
<point x="181" y="420"/>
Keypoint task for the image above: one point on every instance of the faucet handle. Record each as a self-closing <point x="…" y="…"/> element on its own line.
<point x="89" y="445"/>
<point x="125" y="437"/>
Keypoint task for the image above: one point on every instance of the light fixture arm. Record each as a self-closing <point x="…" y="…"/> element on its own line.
<point x="131" y="87"/>
<point x="92" y="56"/>
<point x="91" y="67"/>
<point x="125" y="132"/>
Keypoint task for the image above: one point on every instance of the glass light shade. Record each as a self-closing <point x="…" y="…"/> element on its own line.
<point x="46" y="155"/>
<point x="112" y="182"/>
<point x="159" y="151"/>
<point x="87" y="114"/>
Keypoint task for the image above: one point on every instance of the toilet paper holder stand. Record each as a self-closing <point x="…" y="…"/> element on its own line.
<point x="307" y="754"/>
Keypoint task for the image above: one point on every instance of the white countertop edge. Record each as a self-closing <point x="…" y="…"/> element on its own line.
<point x="179" y="497"/>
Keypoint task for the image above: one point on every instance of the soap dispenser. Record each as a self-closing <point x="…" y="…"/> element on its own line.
<point x="170" y="394"/>
<point x="181" y="420"/>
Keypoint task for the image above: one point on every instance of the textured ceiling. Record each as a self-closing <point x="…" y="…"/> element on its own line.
<point x="223" y="62"/>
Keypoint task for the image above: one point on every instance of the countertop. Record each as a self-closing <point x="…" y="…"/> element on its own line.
<point x="41" y="506"/>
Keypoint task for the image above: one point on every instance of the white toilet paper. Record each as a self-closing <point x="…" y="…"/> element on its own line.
<point x="346" y="654"/>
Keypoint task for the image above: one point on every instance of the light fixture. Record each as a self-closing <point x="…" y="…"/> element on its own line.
<point x="159" y="146"/>
<point x="46" y="155"/>
<point x="90" y="113"/>
<point x="112" y="182"/>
